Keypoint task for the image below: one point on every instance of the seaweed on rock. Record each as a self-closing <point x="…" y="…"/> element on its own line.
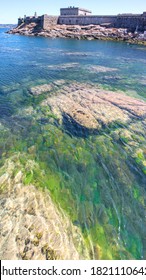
<point x="91" y="160"/>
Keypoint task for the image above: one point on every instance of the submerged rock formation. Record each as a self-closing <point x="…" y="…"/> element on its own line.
<point x="81" y="197"/>
<point x="91" y="107"/>
<point x="32" y="228"/>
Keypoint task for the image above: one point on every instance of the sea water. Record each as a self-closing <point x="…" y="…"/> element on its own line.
<point x="96" y="179"/>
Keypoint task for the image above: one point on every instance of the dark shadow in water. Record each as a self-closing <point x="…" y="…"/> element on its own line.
<point x="6" y="107"/>
<point x="137" y="172"/>
<point x="73" y="128"/>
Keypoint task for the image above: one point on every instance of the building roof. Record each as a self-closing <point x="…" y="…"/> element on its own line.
<point x="85" y="10"/>
<point x="81" y="9"/>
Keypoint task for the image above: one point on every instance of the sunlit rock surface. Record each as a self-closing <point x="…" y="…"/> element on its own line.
<point x="92" y="107"/>
<point x="31" y="225"/>
<point x="89" y="32"/>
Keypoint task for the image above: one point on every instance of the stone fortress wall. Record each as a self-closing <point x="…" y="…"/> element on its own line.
<point x="78" y="16"/>
<point x="131" y="22"/>
<point x="86" y="20"/>
<point x="43" y="21"/>
<point x="47" y="21"/>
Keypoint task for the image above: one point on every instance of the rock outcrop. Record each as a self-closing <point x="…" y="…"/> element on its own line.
<point x="89" y="32"/>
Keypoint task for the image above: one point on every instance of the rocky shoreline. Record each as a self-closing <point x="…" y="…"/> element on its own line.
<point x="89" y="32"/>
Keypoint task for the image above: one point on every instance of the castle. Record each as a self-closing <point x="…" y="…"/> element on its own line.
<point x="80" y="16"/>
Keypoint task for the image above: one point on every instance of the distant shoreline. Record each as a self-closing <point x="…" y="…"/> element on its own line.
<point x="8" y="25"/>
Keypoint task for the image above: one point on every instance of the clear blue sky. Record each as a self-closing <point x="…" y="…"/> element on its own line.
<point x="10" y="10"/>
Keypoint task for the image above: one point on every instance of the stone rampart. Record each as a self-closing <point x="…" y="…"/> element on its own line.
<point x="43" y="21"/>
<point x="47" y="21"/>
<point x="28" y="20"/>
<point x="86" y="20"/>
<point x="129" y="21"/>
<point x="133" y="22"/>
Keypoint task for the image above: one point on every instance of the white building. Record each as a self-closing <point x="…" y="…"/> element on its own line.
<point x="74" y="11"/>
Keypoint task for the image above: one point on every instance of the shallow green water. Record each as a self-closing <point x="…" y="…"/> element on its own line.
<point x="98" y="179"/>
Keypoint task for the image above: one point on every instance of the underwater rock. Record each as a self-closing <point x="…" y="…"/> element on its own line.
<point x="59" y="82"/>
<point x="100" y="69"/>
<point x="98" y="180"/>
<point x="63" y="66"/>
<point x="30" y="220"/>
<point x="40" y="89"/>
<point x="92" y="108"/>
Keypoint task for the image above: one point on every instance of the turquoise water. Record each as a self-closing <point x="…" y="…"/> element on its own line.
<point x="27" y="58"/>
<point x="96" y="179"/>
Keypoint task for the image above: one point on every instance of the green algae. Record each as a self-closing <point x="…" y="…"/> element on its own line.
<point x="106" y="201"/>
<point x="49" y="252"/>
<point x="87" y="194"/>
